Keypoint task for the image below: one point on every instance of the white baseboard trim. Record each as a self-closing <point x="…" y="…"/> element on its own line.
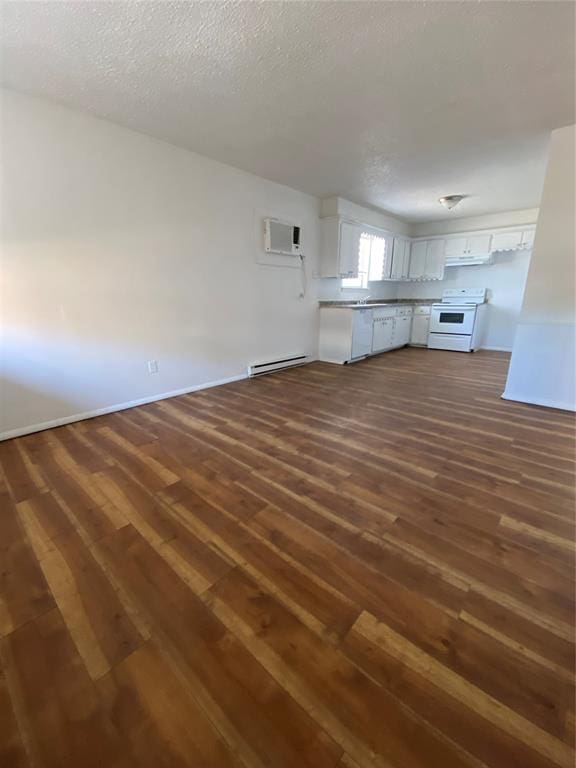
<point x="8" y="435"/>
<point x="498" y="349"/>
<point x="539" y="401"/>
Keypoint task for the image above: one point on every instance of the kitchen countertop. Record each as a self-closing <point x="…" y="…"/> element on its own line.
<point x="383" y="303"/>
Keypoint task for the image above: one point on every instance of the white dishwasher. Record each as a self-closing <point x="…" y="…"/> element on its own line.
<point x="361" y="333"/>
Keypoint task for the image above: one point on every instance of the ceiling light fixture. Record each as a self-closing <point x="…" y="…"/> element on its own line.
<point x="451" y="201"/>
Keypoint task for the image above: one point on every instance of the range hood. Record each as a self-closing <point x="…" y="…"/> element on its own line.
<point x="469" y="260"/>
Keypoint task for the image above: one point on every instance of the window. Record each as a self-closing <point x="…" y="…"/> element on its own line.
<point x="371" y="253"/>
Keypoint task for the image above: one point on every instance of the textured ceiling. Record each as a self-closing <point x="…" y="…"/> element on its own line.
<point x="387" y="103"/>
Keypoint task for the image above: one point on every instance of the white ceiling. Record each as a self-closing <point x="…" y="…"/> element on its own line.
<point x="392" y="104"/>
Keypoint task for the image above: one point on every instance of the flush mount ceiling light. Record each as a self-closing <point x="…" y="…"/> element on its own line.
<point x="451" y="201"/>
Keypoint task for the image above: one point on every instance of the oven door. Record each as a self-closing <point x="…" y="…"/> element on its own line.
<point x="452" y="319"/>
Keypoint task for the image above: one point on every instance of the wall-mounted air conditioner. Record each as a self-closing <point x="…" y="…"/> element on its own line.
<point x="281" y="237"/>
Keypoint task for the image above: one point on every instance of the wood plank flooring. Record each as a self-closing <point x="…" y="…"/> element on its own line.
<point x="331" y="567"/>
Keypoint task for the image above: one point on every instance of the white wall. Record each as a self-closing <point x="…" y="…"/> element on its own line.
<point x="542" y="368"/>
<point x="118" y="249"/>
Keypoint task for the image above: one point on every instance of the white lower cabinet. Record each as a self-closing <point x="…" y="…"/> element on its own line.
<point x="402" y="328"/>
<point x="348" y="334"/>
<point x="420" y="326"/>
<point x="391" y="328"/>
<point x="382" y="334"/>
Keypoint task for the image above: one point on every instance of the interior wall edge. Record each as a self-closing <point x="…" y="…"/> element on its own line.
<point x="543" y="365"/>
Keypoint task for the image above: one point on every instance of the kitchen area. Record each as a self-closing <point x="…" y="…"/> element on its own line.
<point x="350" y="332"/>
<point x="445" y="289"/>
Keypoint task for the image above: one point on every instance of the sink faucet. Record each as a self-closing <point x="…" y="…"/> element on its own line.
<point x="364" y="299"/>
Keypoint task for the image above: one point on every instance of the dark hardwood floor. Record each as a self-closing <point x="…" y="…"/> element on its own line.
<point x="370" y="565"/>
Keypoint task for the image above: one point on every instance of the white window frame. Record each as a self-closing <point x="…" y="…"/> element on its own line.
<point x="360" y="283"/>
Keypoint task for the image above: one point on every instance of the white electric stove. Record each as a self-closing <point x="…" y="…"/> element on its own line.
<point x="458" y="322"/>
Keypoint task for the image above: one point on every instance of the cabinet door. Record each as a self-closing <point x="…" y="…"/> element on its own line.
<point x="398" y="259"/>
<point x="329" y="243"/>
<point x="478" y="244"/>
<point x="401" y="333"/>
<point x="506" y="241"/>
<point x="382" y="335"/>
<point x="418" y="259"/>
<point x="348" y="249"/>
<point x="528" y="238"/>
<point x="456" y="246"/>
<point x="406" y="326"/>
<point x="419" y="333"/>
<point x="406" y="260"/>
<point x="435" y="259"/>
<point x="389" y="332"/>
<point x="387" y="259"/>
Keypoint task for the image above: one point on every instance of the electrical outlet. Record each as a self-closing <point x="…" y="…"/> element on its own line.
<point x="152" y="366"/>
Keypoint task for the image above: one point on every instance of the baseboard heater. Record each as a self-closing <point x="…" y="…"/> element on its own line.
<point x="271" y="366"/>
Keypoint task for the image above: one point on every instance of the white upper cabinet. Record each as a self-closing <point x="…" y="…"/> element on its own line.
<point x="388" y="257"/>
<point x="418" y="259"/>
<point x="381" y="255"/>
<point x="456" y="246"/>
<point x="478" y="247"/>
<point x="527" y="238"/>
<point x="462" y="250"/>
<point x="506" y="241"/>
<point x="513" y="241"/>
<point x="427" y="260"/>
<point x="435" y="260"/>
<point x="349" y="249"/>
<point x="478" y="244"/>
<point x="400" y="259"/>
<point x="466" y="246"/>
<point x="340" y="248"/>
